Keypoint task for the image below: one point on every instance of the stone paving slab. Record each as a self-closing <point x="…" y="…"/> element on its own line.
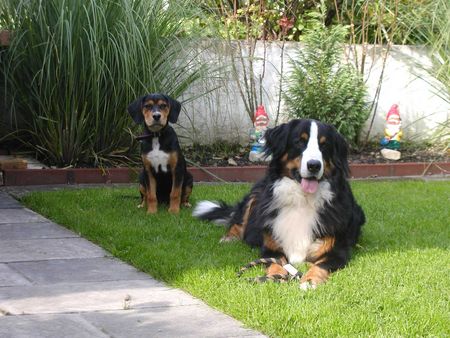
<point x="191" y="321"/>
<point x="55" y="284"/>
<point x="48" y="326"/>
<point x="77" y="270"/>
<point x="20" y="216"/>
<point x="98" y="296"/>
<point x="33" y="230"/>
<point x="43" y="249"/>
<point x="7" y="202"/>
<point x="10" y="277"/>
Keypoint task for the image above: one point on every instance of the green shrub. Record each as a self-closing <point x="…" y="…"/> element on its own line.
<point x="321" y="86"/>
<point x="74" y="66"/>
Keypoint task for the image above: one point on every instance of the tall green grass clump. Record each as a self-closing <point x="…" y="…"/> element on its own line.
<point x="74" y="66"/>
<point x="429" y="25"/>
<point x="322" y="86"/>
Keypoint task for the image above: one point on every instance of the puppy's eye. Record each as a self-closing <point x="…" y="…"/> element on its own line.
<point x="163" y="106"/>
<point x="148" y="106"/>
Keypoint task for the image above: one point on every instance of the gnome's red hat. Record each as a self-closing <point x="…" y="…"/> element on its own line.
<point x="261" y="117"/>
<point x="393" y="116"/>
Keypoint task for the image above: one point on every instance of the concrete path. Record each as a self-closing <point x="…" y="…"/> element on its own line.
<point x="55" y="284"/>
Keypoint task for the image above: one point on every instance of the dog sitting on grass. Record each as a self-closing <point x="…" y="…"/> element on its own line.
<point x="164" y="178"/>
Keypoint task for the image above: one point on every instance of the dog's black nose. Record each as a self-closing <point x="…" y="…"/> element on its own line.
<point x="313" y="166"/>
<point x="156" y="117"/>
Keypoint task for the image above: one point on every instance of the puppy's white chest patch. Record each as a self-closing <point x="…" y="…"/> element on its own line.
<point x="158" y="158"/>
<point x="297" y="216"/>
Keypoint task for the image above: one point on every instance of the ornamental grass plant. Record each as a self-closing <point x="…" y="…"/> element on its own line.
<point x="74" y="66"/>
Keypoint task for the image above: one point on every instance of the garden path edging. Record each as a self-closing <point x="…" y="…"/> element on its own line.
<point x="23" y="177"/>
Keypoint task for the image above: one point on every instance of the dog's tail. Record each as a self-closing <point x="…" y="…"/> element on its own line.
<point x="217" y="212"/>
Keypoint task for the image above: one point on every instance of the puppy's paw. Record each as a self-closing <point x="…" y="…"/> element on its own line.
<point x="152" y="211"/>
<point x="174" y="210"/>
<point x="187" y="205"/>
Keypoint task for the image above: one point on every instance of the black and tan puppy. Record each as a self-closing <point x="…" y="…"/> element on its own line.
<point x="164" y="178"/>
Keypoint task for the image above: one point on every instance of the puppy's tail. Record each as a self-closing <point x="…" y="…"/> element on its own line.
<point x="217" y="212"/>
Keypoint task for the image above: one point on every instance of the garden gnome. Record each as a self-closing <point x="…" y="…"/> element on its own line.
<point x="260" y="123"/>
<point x="392" y="134"/>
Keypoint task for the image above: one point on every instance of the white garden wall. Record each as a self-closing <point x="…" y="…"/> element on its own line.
<point x="221" y="115"/>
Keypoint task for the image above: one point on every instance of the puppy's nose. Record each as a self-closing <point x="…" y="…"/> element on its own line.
<point x="156" y="117"/>
<point x="313" y="166"/>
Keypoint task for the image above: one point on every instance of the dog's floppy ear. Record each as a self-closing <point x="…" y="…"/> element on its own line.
<point x="276" y="140"/>
<point x="340" y="153"/>
<point x="175" y="108"/>
<point x="135" y="110"/>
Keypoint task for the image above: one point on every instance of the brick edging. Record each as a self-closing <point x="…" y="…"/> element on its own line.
<point x="23" y="177"/>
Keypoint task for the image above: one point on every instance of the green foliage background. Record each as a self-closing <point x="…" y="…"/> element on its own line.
<point x="323" y="87"/>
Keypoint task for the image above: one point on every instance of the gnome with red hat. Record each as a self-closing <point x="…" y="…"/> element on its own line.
<point x="260" y="123"/>
<point x="392" y="134"/>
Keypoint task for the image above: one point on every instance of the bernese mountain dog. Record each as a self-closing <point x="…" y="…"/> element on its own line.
<point x="303" y="210"/>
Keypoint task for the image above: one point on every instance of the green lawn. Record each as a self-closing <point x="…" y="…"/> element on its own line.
<point x="397" y="283"/>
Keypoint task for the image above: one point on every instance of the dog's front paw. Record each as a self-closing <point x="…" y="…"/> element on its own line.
<point x="187" y="205"/>
<point x="305" y="286"/>
<point x="313" y="277"/>
<point x="227" y="239"/>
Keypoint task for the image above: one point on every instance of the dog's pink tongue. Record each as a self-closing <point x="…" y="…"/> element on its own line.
<point x="309" y="186"/>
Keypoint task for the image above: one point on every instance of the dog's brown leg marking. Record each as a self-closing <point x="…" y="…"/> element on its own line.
<point x="144" y="197"/>
<point x="185" y="197"/>
<point x="326" y="245"/>
<point x="275" y="269"/>
<point x="152" y="201"/>
<point x="247" y="213"/>
<point x="270" y="243"/>
<point x="150" y="194"/>
<point x="315" y="275"/>
<point x="236" y="231"/>
<point x="175" y="194"/>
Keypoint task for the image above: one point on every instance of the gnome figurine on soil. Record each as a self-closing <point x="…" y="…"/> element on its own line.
<point x="392" y="134"/>
<point x="260" y="123"/>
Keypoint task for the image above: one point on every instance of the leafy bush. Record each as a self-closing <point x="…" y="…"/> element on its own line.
<point x="322" y="87"/>
<point x="73" y="67"/>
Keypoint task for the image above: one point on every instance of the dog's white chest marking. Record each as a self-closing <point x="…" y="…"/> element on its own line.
<point x="158" y="158"/>
<point x="298" y="215"/>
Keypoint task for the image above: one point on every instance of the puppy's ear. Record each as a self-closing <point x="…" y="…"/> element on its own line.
<point x="276" y="140"/>
<point x="175" y="108"/>
<point x="135" y="110"/>
<point x="340" y="153"/>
